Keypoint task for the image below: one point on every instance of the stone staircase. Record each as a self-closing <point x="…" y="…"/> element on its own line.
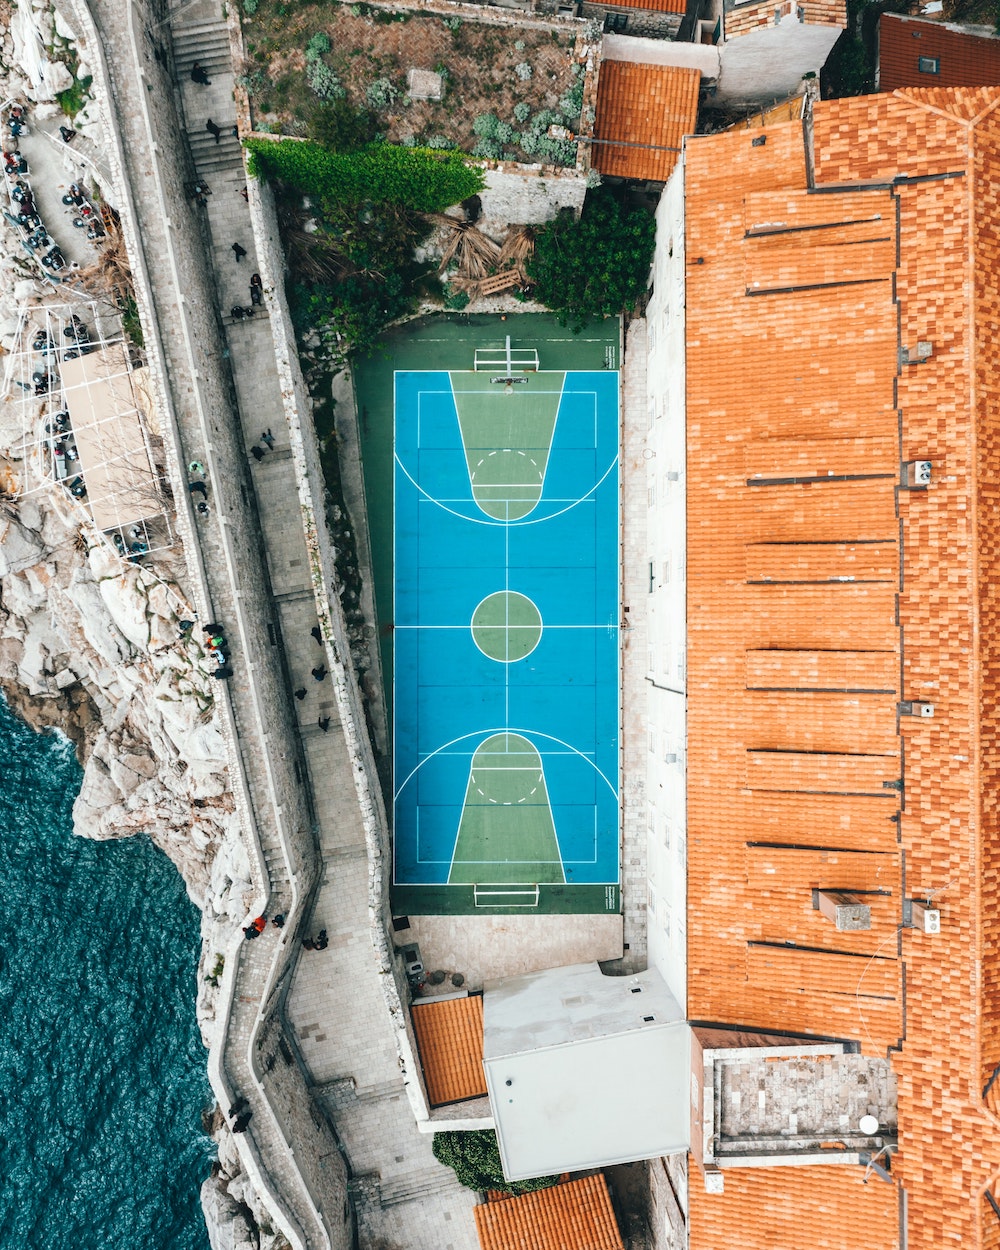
<point x="208" y="43"/>
<point x="412" y="1186"/>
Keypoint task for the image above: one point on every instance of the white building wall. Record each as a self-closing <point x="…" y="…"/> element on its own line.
<point x="767" y="65"/>
<point x="666" y="617"/>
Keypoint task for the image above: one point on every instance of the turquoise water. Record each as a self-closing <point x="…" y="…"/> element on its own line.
<point x="102" y="1071"/>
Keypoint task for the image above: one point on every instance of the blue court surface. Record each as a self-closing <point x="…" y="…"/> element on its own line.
<point x="506" y="646"/>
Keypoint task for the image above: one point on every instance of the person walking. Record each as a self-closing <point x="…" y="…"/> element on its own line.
<point x="268" y="437"/>
<point x="320" y="672"/>
<point x="239" y="251"/>
<point x="257" y="453"/>
<point x="196" y="467"/>
<point x="317" y="633"/>
<point x="200" y="75"/>
<point x="197" y="488"/>
<point x="300" y="694"/>
<point x="324" y="723"/>
<point x="214" y="130"/>
<point x="256" y="289"/>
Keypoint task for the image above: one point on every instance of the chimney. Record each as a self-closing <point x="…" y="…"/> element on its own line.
<point x="846" y="910"/>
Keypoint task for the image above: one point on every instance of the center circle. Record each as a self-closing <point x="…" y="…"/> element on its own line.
<point x="506" y="626"/>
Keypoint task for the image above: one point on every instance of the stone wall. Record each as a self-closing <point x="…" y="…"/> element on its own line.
<point x="648" y="23"/>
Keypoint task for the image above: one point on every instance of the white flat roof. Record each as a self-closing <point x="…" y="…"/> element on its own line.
<point x="578" y="1076"/>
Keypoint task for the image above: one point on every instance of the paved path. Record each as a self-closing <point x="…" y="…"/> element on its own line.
<point x="335" y="1004"/>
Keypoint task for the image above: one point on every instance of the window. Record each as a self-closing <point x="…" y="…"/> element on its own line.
<point x="929" y="64"/>
<point x="615" y="23"/>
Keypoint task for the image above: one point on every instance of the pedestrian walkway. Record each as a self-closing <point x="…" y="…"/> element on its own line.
<point x="298" y="778"/>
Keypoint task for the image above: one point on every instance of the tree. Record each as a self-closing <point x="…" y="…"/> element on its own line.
<point x="596" y="266"/>
<point x="340" y="127"/>
<point x="475" y="1159"/>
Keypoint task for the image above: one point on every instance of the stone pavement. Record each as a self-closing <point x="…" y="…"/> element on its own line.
<point x="251" y="551"/>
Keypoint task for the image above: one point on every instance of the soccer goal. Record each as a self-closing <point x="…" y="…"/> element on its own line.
<point x="506" y="360"/>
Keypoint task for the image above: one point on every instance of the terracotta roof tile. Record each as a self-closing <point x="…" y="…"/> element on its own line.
<point x="651" y="6"/>
<point x="795" y="753"/>
<point x="573" y="1216"/>
<point x="744" y="18"/>
<point x="826" y="1207"/>
<point x="450" y="1041"/>
<point x="651" y="106"/>
<point x="964" y="59"/>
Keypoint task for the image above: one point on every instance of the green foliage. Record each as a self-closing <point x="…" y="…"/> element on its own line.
<point x="425" y="181"/>
<point x="452" y="23"/>
<point x="440" y="143"/>
<point x="317" y="46"/>
<point x="475" y="1158"/>
<point x="252" y="83"/>
<point x="341" y="128"/>
<point x="349" y="316"/>
<point x="522" y="111"/>
<point x="250" y="7"/>
<point x="523" y="70"/>
<point x="572" y="102"/>
<point x="381" y="93"/>
<point x="323" y="81"/>
<point x="488" y="150"/>
<point x="455" y="301"/>
<point x="485" y="125"/>
<point x="72" y="100"/>
<point x="596" y="266"/>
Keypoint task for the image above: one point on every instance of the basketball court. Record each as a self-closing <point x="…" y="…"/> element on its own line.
<point x="505" y="638"/>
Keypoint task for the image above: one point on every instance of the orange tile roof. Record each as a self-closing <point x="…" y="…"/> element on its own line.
<point x="964" y="59"/>
<point x="650" y="106"/>
<point x="573" y="1216"/>
<point x="652" y="6"/>
<point x="450" y="1042"/>
<point x="741" y="19"/>
<point x="820" y="595"/>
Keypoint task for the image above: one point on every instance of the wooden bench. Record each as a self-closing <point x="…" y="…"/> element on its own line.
<point x="501" y="281"/>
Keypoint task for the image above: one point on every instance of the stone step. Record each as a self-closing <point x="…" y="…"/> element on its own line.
<point x="216" y="61"/>
<point x="415" y="1185"/>
<point x="185" y="30"/>
<point x="373" y="1093"/>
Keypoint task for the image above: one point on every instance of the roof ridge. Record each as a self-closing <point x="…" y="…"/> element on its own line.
<point x="925" y="98"/>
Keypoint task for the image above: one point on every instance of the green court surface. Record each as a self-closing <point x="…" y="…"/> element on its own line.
<point x="507" y="441"/>
<point x="506" y="819"/>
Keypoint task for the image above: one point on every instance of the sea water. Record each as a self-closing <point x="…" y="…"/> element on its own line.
<point x="102" y="1070"/>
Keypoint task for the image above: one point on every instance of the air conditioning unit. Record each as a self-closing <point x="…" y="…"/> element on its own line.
<point x="912" y="708"/>
<point x="917" y="474"/>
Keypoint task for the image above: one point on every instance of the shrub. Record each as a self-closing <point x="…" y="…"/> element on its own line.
<point x="488" y="149"/>
<point x="523" y="71"/>
<point x="596" y="266"/>
<point x="475" y="1158"/>
<point x="317" y="46"/>
<point x="250" y="7"/>
<point x="486" y="125"/>
<point x="505" y="132"/>
<point x="425" y="181"/>
<point x="381" y="93"/>
<point x="452" y="23"/>
<point x="572" y="102"/>
<point x="440" y="143"/>
<point x="323" y="81"/>
<point x="522" y="111"/>
<point x="350" y="315"/>
<point x="519" y="45"/>
<point x="455" y="300"/>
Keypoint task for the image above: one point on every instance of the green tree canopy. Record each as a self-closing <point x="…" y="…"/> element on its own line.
<point x="475" y="1158"/>
<point x="596" y="266"/>
<point x="416" y="178"/>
